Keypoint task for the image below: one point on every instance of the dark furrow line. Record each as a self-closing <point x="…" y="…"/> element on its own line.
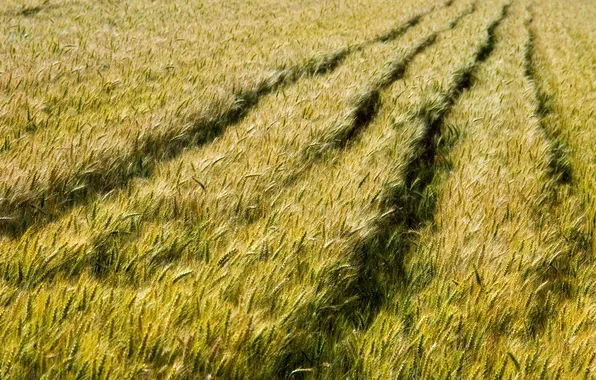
<point x="316" y="65"/>
<point x="45" y="203"/>
<point x="393" y="34"/>
<point x="101" y="251"/>
<point x="558" y="162"/>
<point x="366" y="105"/>
<point x="330" y="61"/>
<point x="31" y="11"/>
<point x="553" y="277"/>
<point x="413" y="21"/>
<point x="356" y="293"/>
<point x="101" y="254"/>
<point x="408" y="206"/>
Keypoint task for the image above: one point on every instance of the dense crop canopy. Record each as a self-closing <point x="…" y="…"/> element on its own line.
<point x="297" y="189"/>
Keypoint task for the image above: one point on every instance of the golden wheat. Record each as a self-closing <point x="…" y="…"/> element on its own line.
<point x="297" y="189"/>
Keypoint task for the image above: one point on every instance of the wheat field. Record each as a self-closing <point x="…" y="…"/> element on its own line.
<point x="297" y="189"/>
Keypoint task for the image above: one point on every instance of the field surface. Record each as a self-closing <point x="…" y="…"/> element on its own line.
<point x="360" y="189"/>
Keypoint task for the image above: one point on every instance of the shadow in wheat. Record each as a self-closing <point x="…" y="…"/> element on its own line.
<point x="352" y="295"/>
<point x="44" y="202"/>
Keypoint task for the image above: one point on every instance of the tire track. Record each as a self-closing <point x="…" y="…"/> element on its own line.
<point x="316" y="65"/>
<point x="101" y="252"/>
<point x="553" y="278"/>
<point x="365" y="106"/>
<point x="492" y="205"/>
<point x="361" y="116"/>
<point x="31" y="11"/>
<point x="356" y="292"/>
<point x="407" y="205"/>
<point x="40" y="202"/>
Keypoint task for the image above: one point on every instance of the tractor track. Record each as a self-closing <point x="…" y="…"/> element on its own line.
<point x="357" y="291"/>
<point x="44" y="201"/>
